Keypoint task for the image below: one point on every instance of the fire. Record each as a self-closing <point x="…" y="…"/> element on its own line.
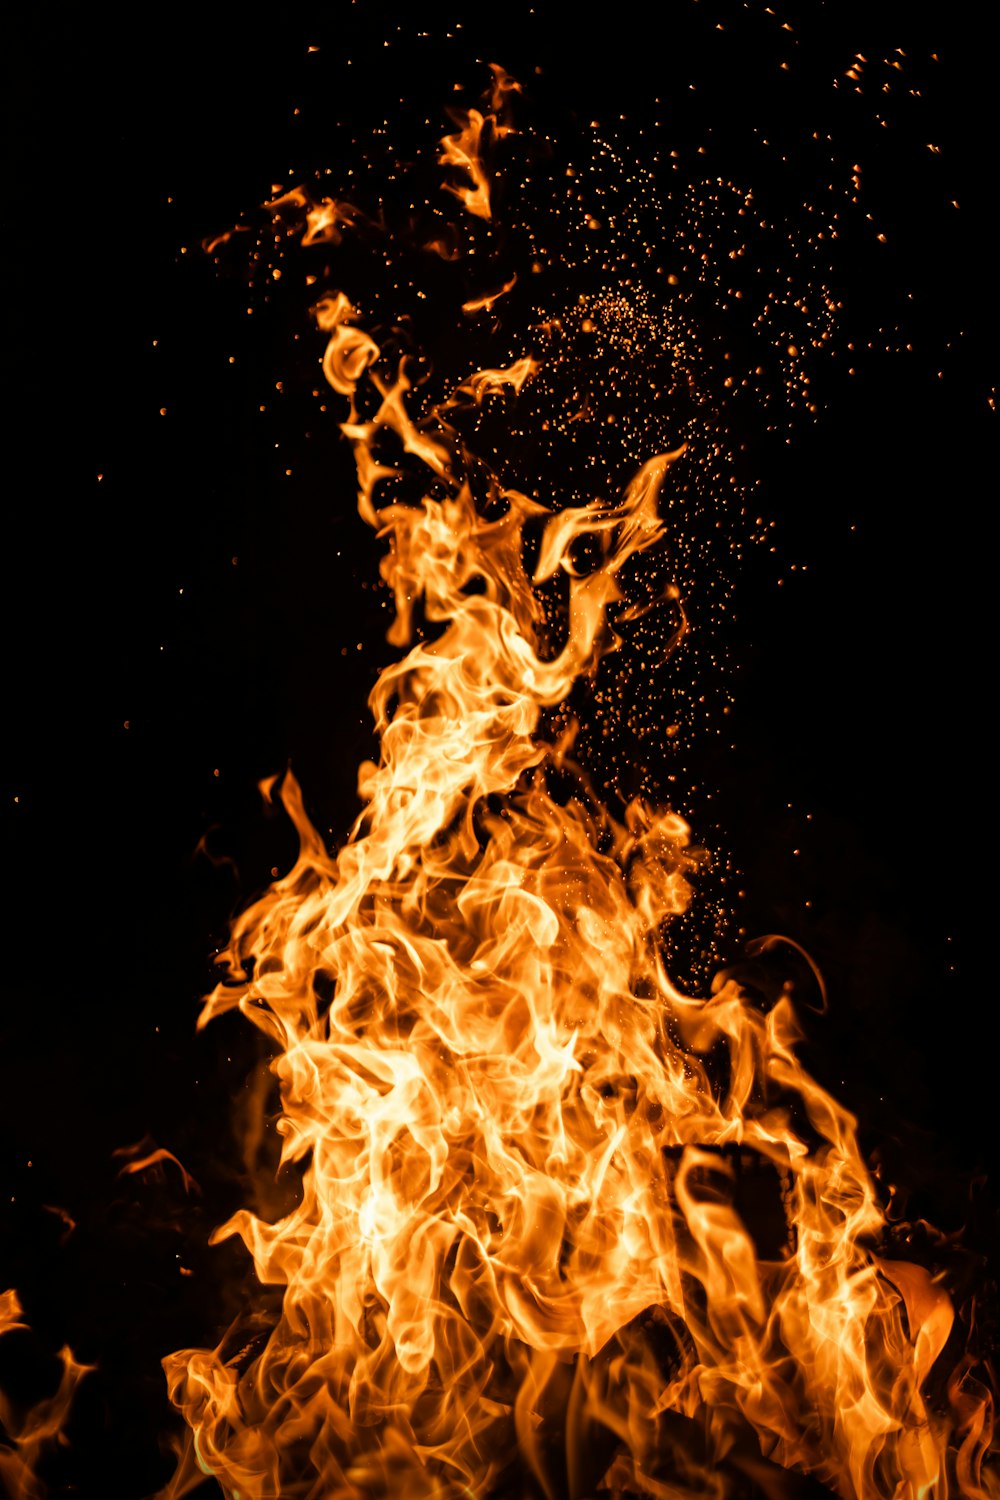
<point x="464" y="150"/>
<point x="521" y="1244"/>
<point x="488" y="300"/>
<point x="325" y="220"/>
<point x="27" y="1434"/>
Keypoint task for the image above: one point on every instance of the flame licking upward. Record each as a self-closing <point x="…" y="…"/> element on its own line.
<point x="464" y="149"/>
<point x="519" y="1222"/>
<point x="27" y="1433"/>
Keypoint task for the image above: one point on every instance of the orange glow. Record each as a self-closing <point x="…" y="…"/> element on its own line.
<point x="512" y="1144"/>
<point x="520" y="1144"/>
<point x="486" y="302"/>
<point x="26" y="1434"/>
<point x="144" y="1155"/>
<point x="464" y="150"/>
<point x="325" y="219"/>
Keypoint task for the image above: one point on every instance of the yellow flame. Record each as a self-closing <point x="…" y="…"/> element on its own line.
<point x="522" y="1240"/>
<point x="514" y="1140"/>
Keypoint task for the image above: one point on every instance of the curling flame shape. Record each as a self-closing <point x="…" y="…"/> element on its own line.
<point x="464" y="150"/>
<point x="519" y="1245"/>
<point x="27" y="1434"/>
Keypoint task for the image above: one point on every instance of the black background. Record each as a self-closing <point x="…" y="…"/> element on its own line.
<point x="863" y="690"/>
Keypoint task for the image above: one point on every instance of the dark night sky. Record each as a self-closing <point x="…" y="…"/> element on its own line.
<point x="860" y="691"/>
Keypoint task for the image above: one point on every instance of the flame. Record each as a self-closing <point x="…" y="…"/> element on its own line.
<point x="325" y="220"/>
<point x="521" y="1234"/>
<point x="146" y="1154"/>
<point x="464" y="149"/>
<point x="27" y="1434"/>
<point x="486" y="302"/>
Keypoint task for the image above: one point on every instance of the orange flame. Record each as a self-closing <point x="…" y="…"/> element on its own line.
<point x="463" y="150"/>
<point x="486" y="302"/>
<point x="146" y="1154"/>
<point x="325" y="219"/>
<point x="522" y="1240"/>
<point x="518" y="1159"/>
<point x="25" y="1435"/>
